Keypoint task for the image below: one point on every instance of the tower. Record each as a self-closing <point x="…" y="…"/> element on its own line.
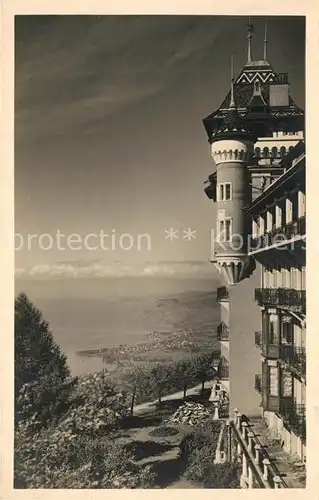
<point x="231" y="149"/>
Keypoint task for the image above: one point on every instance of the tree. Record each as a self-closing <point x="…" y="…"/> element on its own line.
<point x="136" y="382"/>
<point x="43" y="383"/>
<point x="185" y="374"/>
<point x="203" y="368"/>
<point x="160" y="378"/>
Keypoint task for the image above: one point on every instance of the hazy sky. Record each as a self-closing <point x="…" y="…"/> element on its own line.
<point x="108" y="125"/>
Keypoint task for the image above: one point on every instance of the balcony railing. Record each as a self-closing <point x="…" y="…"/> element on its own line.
<point x="222" y="294"/>
<point x="269" y="350"/>
<point x="295" y="357"/>
<point x="279" y="235"/>
<point x="223" y="369"/>
<point x="258" y="383"/>
<point x="282" y="297"/>
<point x="222" y="331"/>
<point x="258" y="339"/>
<point x="294" y="416"/>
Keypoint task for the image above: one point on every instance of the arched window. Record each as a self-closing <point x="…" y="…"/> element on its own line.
<point x="291" y="148"/>
<point x="257" y="152"/>
<point x="274" y="152"/>
<point x="282" y="151"/>
<point x="266" y="152"/>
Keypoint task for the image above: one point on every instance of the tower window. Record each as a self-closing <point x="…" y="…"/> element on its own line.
<point x="225" y="230"/>
<point x="224" y="191"/>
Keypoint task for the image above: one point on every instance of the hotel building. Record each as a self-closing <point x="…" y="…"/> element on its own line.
<point x="259" y="248"/>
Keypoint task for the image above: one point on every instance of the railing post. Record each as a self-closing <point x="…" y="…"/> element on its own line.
<point x="235" y="416"/>
<point x="257" y="453"/>
<point x="278" y="482"/>
<point x="244" y="429"/>
<point x="266" y="463"/>
<point x="243" y="478"/>
<point x="250" y="441"/>
<point x="250" y="478"/>
<point x="229" y="444"/>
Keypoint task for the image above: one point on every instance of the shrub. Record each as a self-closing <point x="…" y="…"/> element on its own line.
<point x="55" y="458"/>
<point x="198" y="452"/>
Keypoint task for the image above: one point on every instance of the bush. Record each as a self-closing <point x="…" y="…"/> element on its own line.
<point x="55" y="458"/>
<point x="198" y="452"/>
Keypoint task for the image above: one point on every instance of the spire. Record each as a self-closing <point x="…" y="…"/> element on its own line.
<point x="250" y="31"/>
<point x="265" y="42"/>
<point x="232" y="97"/>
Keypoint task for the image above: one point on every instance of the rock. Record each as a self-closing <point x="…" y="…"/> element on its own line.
<point x="190" y="414"/>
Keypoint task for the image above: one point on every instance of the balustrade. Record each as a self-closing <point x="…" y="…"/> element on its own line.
<point x="257" y="470"/>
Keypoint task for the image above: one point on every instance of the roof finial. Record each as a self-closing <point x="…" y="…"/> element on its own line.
<point x="232" y="97"/>
<point x="265" y="42"/>
<point x="250" y="30"/>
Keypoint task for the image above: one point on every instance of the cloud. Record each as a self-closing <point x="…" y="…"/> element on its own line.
<point x="74" y="71"/>
<point x="118" y="269"/>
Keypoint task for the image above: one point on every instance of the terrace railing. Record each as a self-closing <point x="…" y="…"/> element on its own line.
<point x="222" y="294"/>
<point x="294" y="356"/>
<point x="282" y="297"/>
<point x="222" y="331"/>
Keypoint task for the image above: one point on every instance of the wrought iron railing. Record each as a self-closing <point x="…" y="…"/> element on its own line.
<point x="258" y="339"/>
<point x="222" y="331"/>
<point x="282" y="297"/>
<point x="223" y="369"/>
<point x="294" y="415"/>
<point x="222" y="294"/>
<point x="294" y="356"/>
<point x="258" y="382"/>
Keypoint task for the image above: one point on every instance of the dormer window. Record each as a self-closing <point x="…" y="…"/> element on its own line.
<point x="224" y="191"/>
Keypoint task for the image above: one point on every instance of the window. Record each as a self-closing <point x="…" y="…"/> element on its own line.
<point x="269" y="220"/>
<point x="273" y="381"/>
<point x="278" y="216"/>
<point x="287" y="331"/>
<point x="225" y="230"/>
<point x="288" y="211"/>
<point x="261" y="221"/>
<point x="301" y="204"/>
<point x="224" y="191"/>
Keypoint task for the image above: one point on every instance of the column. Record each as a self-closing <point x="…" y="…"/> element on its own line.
<point x="277" y="482"/>
<point x="244" y="429"/>
<point x="257" y="453"/>
<point x="266" y="463"/>
<point x="243" y="478"/>
<point x="250" y="478"/>
<point x="250" y="441"/>
<point x="229" y="435"/>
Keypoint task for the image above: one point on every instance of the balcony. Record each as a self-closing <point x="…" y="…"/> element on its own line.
<point x="295" y="357"/>
<point x="222" y="331"/>
<point x="210" y="190"/>
<point x="294" y="416"/>
<point x="258" y="339"/>
<point x="287" y="298"/>
<point x="258" y="383"/>
<point x="222" y="294"/>
<point x="269" y="350"/>
<point x="279" y="235"/>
